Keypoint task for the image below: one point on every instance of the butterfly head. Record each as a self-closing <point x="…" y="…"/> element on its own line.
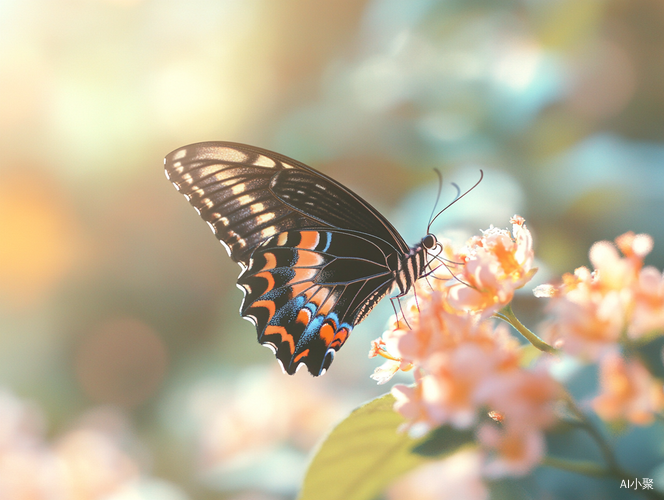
<point x="429" y="242"/>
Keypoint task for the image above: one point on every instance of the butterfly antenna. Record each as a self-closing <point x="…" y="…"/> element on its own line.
<point x="440" y="190"/>
<point x="457" y="198"/>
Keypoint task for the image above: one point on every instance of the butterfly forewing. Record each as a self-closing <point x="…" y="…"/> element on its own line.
<point x="248" y="194"/>
<point x="230" y="190"/>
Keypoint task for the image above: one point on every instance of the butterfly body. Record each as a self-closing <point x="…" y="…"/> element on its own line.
<point x="315" y="257"/>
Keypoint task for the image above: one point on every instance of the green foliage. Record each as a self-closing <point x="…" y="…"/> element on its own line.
<point x="365" y="452"/>
<point x="361" y="455"/>
<point x="443" y="441"/>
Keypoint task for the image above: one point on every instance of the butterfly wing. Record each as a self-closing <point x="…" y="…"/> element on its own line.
<point x="316" y="257"/>
<point x="305" y="290"/>
<point x="248" y="194"/>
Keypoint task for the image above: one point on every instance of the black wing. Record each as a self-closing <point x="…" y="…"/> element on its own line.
<point x="305" y="290"/>
<point x="248" y="194"/>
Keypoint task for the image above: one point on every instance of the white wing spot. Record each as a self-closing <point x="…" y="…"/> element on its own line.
<point x="268" y="232"/>
<point x="232" y="155"/>
<point x="263" y="218"/>
<point x="264" y="161"/>
<point x="240" y="241"/>
<point x="245" y="199"/>
<point x="180" y="154"/>
<point x="282" y="239"/>
<point x="208" y="171"/>
<point x="257" y="207"/>
<point x="238" y="188"/>
<point x="188" y="179"/>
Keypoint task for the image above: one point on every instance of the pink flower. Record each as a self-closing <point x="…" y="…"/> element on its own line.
<point x="587" y="322"/>
<point x="450" y="393"/>
<point x="628" y="391"/>
<point x="648" y="312"/>
<point x="410" y="405"/>
<point x="494" y="266"/>
<point x="377" y="346"/>
<point x="592" y="310"/>
<point x="524" y="398"/>
<point x="386" y="371"/>
<point x="464" y="363"/>
<point x="515" y="450"/>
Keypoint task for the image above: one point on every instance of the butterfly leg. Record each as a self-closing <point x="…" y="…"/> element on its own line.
<point x="403" y="315"/>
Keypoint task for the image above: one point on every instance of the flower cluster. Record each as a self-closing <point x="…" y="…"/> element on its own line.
<point x="598" y="314"/>
<point x="92" y="460"/>
<point x="484" y="274"/>
<point x="464" y="364"/>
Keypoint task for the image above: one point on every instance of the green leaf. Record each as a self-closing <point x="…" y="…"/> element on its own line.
<point x="443" y="441"/>
<point x="362" y="455"/>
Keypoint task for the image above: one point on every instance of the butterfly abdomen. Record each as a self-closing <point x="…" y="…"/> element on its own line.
<point x="411" y="268"/>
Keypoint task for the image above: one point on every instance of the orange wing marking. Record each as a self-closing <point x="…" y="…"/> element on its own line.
<point x="308" y="239"/>
<point x="304" y="316"/>
<point x="315" y="298"/>
<point x="282" y="239"/>
<point x="329" y="303"/>
<point x="270" y="280"/>
<point x="270" y="261"/>
<point x="302" y="274"/>
<point x="285" y="336"/>
<point x="308" y="259"/>
<point x="339" y="338"/>
<point x="267" y="304"/>
<point x="308" y="289"/>
<point x="327" y="333"/>
<point x="301" y="355"/>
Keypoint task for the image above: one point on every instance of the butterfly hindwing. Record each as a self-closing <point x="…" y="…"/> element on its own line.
<point x="305" y="290"/>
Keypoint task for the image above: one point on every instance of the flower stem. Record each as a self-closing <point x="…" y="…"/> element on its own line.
<point x="587" y="425"/>
<point x="507" y="315"/>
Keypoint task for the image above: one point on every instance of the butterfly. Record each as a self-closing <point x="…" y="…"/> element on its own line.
<point x="315" y="257"/>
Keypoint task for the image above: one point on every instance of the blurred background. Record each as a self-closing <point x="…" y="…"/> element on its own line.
<point x="125" y="369"/>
